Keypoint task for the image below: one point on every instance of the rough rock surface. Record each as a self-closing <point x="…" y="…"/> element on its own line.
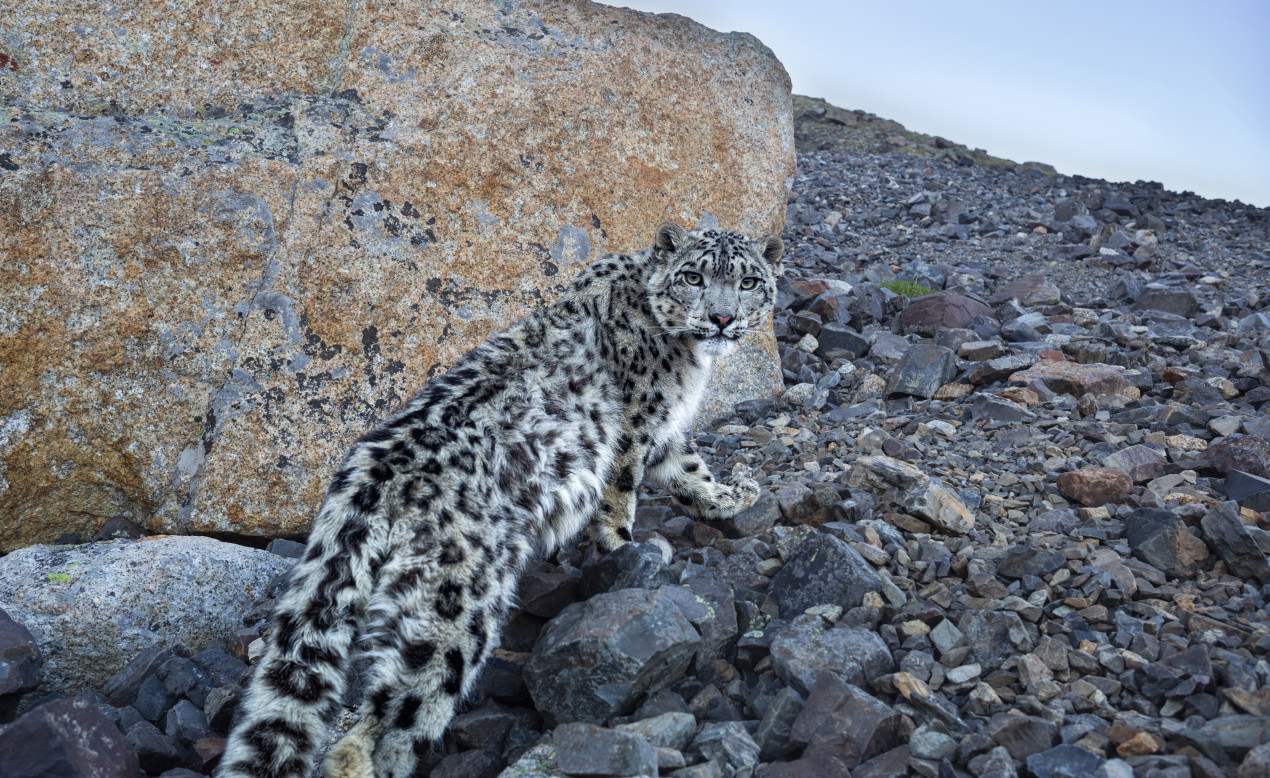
<point x="234" y="241"/>
<point x="93" y="607"/>
<point x="597" y="658"/>
<point x="70" y="738"/>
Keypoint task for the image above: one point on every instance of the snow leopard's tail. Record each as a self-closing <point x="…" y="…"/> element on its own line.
<point x="297" y="684"/>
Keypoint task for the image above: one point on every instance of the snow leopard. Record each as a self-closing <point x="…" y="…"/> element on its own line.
<point x="545" y="428"/>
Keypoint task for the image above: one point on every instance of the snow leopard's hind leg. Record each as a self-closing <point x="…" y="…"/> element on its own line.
<point x="435" y="616"/>
<point x="298" y="682"/>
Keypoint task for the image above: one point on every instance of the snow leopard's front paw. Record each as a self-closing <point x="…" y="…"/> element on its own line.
<point x="734" y="495"/>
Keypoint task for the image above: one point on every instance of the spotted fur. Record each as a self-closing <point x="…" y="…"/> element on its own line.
<point x="416" y="550"/>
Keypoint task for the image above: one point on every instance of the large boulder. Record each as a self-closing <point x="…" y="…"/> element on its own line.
<point x="93" y="607"/>
<point x="234" y="241"/>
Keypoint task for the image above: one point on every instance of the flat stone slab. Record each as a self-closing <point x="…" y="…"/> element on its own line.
<point x="1073" y="378"/>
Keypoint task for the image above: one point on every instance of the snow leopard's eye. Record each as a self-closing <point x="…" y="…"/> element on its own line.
<point x="749" y="283"/>
<point x="693" y="279"/>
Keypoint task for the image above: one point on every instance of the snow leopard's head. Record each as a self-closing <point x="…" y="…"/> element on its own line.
<point x="711" y="286"/>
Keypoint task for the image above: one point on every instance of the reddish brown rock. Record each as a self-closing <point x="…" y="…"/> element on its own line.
<point x="233" y="242"/>
<point x="1072" y="378"/>
<point x="930" y="313"/>
<point x="1249" y="453"/>
<point x="1094" y="486"/>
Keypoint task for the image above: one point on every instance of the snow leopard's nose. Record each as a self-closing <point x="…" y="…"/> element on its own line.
<point x="721" y="319"/>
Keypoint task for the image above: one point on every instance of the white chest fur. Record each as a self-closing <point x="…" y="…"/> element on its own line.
<point x="683" y="412"/>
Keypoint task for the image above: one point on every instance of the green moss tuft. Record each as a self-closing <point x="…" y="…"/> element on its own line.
<point x="906" y="288"/>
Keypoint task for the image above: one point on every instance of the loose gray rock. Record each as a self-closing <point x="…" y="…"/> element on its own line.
<point x="21" y="665"/>
<point x="806" y="648"/>
<point x="1234" y="543"/>
<point x="728" y="743"/>
<point x="922" y="370"/>
<point x="1160" y="539"/>
<point x="844" y="721"/>
<point x="584" y="749"/>
<point x="669" y="730"/>
<point x="995" y="635"/>
<point x="773" y="731"/>
<point x="67" y="737"/>
<point x="823" y="570"/>
<point x="597" y="658"/>
<point x="1064" y="761"/>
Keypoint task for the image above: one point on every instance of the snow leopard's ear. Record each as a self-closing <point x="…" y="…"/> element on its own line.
<point x="771" y="248"/>
<point x="669" y="237"/>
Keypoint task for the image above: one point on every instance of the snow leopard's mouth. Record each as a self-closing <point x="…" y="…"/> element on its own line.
<point x="716" y="345"/>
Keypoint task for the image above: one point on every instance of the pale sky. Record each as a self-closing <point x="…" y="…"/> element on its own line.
<point x="1170" y="91"/>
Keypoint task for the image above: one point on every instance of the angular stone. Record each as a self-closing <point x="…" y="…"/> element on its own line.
<point x="819" y="765"/>
<point x="21" y="665"/>
<point x="773" y="731"/>
<point x="1256" y="763"/>
<point x="1024" y="560"/>
<point x="843" y="721"/>
<point x="183" y="677"/>
<point x="1095" y="486"/>
<point x="1142" y="463"/>
<point x="805" y="648"/>
<point x="468" y="764"/>
<point x="1160" y="539"/>
<point x="585" y="749"/>
<point x="487" y="727"/>
<point x="185" y="723"/>
<point x="931" y="704"/>
<point x="1030" y="290"/>
<point x="839" y="337"/>
<point x="710" y="607"/>
<point x="633" y="566"/>
<point x="994" y="636"/>
<point x="1022" y="736"/>
<point x="928" y="743"/>
<point x="1250" y="491"/>
<point x="66" y="737"/>
<point x="754" y="520"/>
<point x="999" y="368"/>
<point x="1234" y="543"/>
<point x="1249" y="453"/>
<point x="936" y="504"/>
<point x="728" y="743"/>
<point x="93" y="607"/>
<point x="986" y="406"/>
<point x="928" y="314"/>
<point x="947" y="637"/>
<point x="1072" y="378"/>
<point x="1170" y="299"/>
<point x="546" y="593"/>
<point x="822" y="570"/>
<point x="921" y="371"/>
<point x="230" y="288"/>
<point x="880" y="473"/>
<point x="981" y="350"/>
<point x="669" y="730"/>
<point x="1064" y="761"/>
<point x="798" y="504"/>
<point x="597" y="658"/>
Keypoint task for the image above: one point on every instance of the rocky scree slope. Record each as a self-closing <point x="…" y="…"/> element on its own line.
<point x="1014" y="526"/>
